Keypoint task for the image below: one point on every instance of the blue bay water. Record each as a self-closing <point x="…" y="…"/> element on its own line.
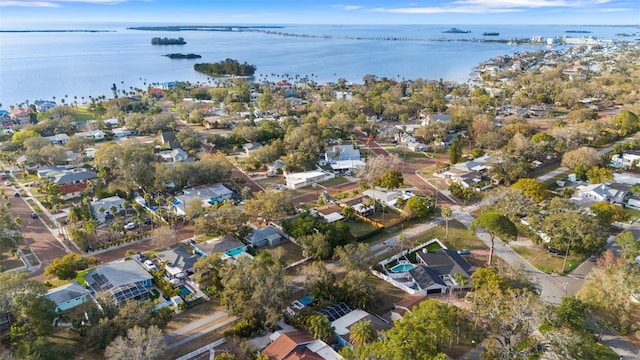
<point x="42" y="65"/>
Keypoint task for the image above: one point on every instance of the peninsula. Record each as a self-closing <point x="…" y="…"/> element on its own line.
<point x="168" y="41"/>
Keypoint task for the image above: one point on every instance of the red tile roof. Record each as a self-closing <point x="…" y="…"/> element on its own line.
<point x="286" y="343"/>
<point x="72" y="188"/>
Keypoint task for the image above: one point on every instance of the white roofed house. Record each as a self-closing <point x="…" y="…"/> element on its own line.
<point x="58" y="139"/>
<point x="302" y="179"/>
<point x="94" y="134"/>
<point x="626" y="160"/>
<point x="175" y="155"/>
<point x="106" y="204"/>
<point x="601" y="192"/>
<point x="387" y="198"/>
<point x="207" y="195"/>
<point x="342" y="152"/>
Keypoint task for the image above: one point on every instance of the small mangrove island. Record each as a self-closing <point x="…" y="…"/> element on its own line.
<point x="226" y="67"/>
<point x="455" y="30"/>
<point x="183" y="56"/>
<point x="167" y="41"/>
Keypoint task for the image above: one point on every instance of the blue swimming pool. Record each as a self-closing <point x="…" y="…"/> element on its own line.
<point x="184" y="291"/>
<point x="235" y="252"/>
<point x="402" y="268"/>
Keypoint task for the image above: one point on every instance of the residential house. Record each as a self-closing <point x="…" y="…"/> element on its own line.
<point x="175" y="155"/>
<point x="58" y="139"/>
<point x="342" y="318"/>
<point x="123" y="132"/>
<point x="215" y="122"/>
<point x="5" y="119"/>
<point x="94" y="134"/>
<point x="298" y="345"/>
<point x="179" y="262"/>
<point x="251" y="147"/>
<point x="20" y="115"/>
<point x="361" y="204"/>
<point x="302" y="179"/>
<point x="341" y="152"/>
<point x="370" y="114"/>
<point x="387" y="198"/>
<point x="126" y="280"/>
<point x="103" y="208"/>
<point x="68" y="296"/>
<point x="72" y="191"/>
<point x="219" y="245"/>
<point x="601" y="192"/>
<point x="44" y="105"/>
<point x="111" y="123"/>
<point x="273" y="167"/>
<point x="267" y="235"/>
<point x="628" y="159"/>
<point x="344" y="95"/>
<point x="348" y="165"/>
<point x="436" y="271"/>
<point x="207" y="195"/>
<point x="433" y="118"/>
<point x="168" y="140"/>
<point x="406" y="305"/>
<point x="330" y="212"/>
<point x="74" y="176"/>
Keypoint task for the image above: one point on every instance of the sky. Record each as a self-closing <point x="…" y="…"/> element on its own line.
<point x="423" y="12"/>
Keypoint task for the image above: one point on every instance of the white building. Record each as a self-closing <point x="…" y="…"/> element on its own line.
<point x="302" y="179"/>
<point x="627" y="160"/>
<point x="58" y="139"/>
<point x="206" y="195"/>
<point x="95" y="134"/>
<point x="106" y="204"/>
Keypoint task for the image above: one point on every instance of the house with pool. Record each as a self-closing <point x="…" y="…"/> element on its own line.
<point x="179" y="263"/>
<point x="435" y="270"/>
<point x="126" y="280"/>
<point x="206" y="195"/>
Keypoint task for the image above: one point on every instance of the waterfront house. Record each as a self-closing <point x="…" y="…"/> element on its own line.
<point x="68" y="296"/>
<point x="126" y="280"/>
<point x="206" y="195"/>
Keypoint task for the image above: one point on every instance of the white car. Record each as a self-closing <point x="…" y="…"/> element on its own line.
<point x="130" y="226"/>
<point x="150" y="265"/>
<point x="8" y="183"/>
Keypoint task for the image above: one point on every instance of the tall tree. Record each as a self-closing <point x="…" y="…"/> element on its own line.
<point x="497" y="225"/>
<point x="446" y="213"/>
<point x="139" y="344"/>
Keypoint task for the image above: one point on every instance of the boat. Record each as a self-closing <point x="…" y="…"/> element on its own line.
<point x="490" y="34"/>
<point x="578" y="32"/>
<point x="455" y="30"/>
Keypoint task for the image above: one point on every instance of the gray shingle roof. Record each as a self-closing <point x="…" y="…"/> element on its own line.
<point x="117" y="274"/>
<point x="67" y="292"/>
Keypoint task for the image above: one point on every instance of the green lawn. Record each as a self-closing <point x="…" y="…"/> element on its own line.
<point x="338" y="180"/>
<point x="407" y="155"/>
<point x="388" y="218"/>
<point x="80" y="276"/>
<point x="634" y="214"/>
<point x="360" y="228"/>
<point x="546" y="262"/>
<point x="82" y="114"/>
<point x="459" y="237"/>
<point x="389" y="295"/>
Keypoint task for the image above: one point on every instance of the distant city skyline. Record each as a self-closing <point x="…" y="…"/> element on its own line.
<point x="28" y="13"/>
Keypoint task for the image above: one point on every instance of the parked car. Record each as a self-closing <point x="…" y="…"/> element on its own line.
<point x="16" y="194"/>
<point x="464" y="251"/>
<point x="8" y="183"/>
<point x="555" y="251"/>
<point x="191" y="242"/>
<point x="130" y="226"/>
<point x="34" y="215"/>
<point x="150" y="265"/>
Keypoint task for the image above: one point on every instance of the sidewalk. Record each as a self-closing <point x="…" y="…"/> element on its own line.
<point x="211" y="319"/>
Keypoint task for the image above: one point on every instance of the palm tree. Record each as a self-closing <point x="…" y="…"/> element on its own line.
<point x="446" y="213"/>
<point x="362" y="332"/>
<point x="320" y="327"/>
<point x="114" y="211"/>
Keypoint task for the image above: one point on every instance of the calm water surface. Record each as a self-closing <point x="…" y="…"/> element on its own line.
<point x="43" y="65"/>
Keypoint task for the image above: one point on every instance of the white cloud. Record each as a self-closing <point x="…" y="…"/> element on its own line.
<point x="348" y="7"/>
<point x="54" y="3"/>
<point x="493" y="6"/>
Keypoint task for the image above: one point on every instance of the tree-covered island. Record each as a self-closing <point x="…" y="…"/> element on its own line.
<point x="168" y="41"/>
<point x="182" y="56"/>
<point x="226" y="67"/>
